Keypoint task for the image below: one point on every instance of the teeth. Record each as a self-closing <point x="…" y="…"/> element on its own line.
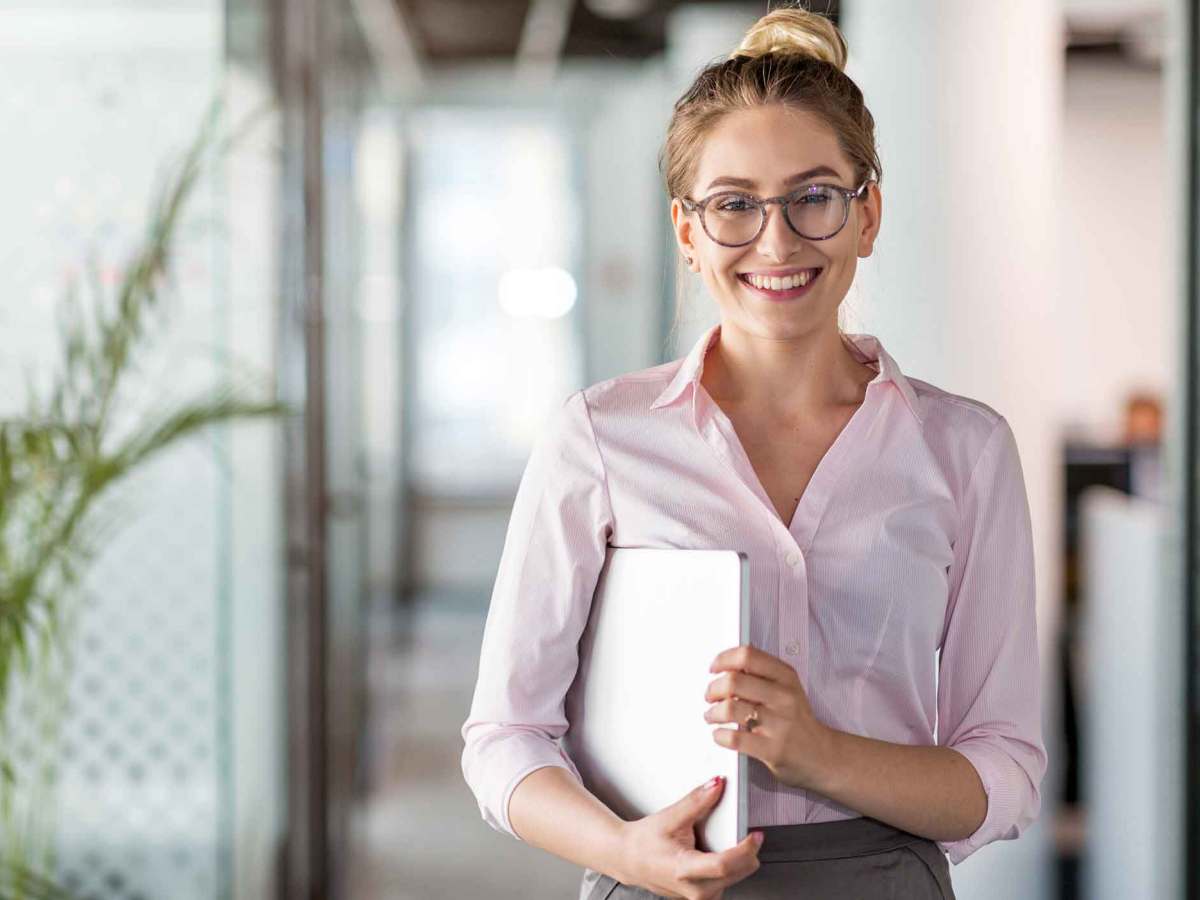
<point x="780" y="284"/>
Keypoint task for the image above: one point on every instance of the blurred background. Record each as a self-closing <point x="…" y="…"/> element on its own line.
<point x="439" y="218"/>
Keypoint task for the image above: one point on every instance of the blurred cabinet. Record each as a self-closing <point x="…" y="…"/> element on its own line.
<point x="1131" y="755"/>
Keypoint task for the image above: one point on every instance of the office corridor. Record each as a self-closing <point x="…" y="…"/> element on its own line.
<point x="295" y="290"/>
<point x="420" y="836"/>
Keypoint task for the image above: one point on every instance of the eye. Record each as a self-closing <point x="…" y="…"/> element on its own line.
<point x="817" y="195"/>
<point x="733" y="203"/>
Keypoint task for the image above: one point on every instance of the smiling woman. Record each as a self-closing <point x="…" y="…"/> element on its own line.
<point x="888" y="698"/>
<point x="828" y="220"/>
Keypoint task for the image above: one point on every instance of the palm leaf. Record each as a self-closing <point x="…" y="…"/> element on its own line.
<point x="20" y="882"/>
<point x="61" y="461"/>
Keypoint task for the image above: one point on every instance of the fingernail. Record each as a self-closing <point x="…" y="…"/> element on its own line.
<point x="758" y="837"/>
<point x="712" y="782"/>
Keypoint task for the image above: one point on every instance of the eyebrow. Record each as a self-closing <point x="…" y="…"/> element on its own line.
<point x="790" y="180"/>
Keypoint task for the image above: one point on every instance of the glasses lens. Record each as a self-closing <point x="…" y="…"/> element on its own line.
<point x="817" y="211"/>
<point x="732" y="218"/>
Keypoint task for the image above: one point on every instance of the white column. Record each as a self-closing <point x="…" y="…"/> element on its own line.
<point x="962" y="285"/>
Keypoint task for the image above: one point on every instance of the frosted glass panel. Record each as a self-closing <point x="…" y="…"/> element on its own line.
<point x="95" y="100"/>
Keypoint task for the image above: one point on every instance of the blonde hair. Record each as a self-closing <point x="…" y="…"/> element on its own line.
<point x="790" y="56"/>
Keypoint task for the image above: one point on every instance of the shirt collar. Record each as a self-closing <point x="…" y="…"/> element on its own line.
<point x="867" y="348"/>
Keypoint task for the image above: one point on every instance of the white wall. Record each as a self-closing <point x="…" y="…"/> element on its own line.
<point x="1115" y="312"/>
<point x="626" y="216"/>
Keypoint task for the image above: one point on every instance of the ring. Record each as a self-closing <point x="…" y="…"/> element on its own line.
<point x="751" y="720"/>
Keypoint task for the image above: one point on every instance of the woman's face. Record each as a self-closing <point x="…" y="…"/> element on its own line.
<point x="765" y="146"/>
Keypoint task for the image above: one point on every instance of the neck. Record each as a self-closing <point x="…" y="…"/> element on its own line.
<point x="783" y="377"/>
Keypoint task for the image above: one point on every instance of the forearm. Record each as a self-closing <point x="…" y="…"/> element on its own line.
<point x="551" y="810"/>
<point x="933" y="792"/>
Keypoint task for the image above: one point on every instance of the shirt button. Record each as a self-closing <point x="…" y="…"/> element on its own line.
<point x="793" y="558"/>
<point x="792" y="649"/>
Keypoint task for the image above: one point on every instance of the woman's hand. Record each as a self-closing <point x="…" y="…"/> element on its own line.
<point x="660" y="852"/>
<point x="787" y="738"/>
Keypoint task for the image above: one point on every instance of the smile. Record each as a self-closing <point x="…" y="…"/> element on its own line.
<point x="781" y="288"/>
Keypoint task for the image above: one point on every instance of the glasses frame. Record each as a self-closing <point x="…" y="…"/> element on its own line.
<point x="848" y="195"/>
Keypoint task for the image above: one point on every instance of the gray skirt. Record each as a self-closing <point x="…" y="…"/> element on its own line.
<point x="848" y="858"/>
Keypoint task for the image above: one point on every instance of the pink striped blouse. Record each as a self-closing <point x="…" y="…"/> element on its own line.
<point x="902" y="591"/>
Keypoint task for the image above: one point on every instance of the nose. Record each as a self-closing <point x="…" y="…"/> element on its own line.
<point x="777" y="240"/>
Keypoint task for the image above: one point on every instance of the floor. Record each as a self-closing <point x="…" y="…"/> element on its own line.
<point x="419" y="835"/>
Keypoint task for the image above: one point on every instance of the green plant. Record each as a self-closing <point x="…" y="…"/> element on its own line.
<point x="61" y="458"/>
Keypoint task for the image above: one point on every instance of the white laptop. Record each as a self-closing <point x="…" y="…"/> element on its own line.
<point x="637" y="732"/>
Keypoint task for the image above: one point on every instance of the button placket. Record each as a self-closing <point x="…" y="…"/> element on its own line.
<point x="793" y="606"/>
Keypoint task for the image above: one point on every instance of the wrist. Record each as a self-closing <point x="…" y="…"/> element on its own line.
<point x="830" y="753"/>
<point x="620" y="852"/>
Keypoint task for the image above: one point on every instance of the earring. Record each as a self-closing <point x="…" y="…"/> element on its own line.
<point x="688" y="260"/>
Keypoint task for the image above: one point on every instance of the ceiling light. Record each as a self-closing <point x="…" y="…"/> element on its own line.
<point x="618" y="9"/>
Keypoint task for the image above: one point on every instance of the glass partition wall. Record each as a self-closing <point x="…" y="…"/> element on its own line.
<point x="121" y="730"/>
<point x="198" y="734"/>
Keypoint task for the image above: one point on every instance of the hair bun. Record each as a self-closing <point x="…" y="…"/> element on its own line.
<point x="796" y="31"/>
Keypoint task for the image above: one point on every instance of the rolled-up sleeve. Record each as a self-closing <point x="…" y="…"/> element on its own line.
<point x="989" y="694"/>
<point x="553" y="551"/>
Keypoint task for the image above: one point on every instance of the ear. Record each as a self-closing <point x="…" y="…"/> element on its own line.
<point x="681" y="222"/>
<point x="870" y="213"/>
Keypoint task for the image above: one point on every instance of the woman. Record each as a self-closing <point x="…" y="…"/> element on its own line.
<point x="885" y="521"/>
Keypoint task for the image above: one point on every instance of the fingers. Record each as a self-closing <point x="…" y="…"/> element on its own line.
<point x="733" y="709"/>
<point x="695" y="803"/>
<point x="732" y="865"/>
<point x="750" y="659"/>
<point x="746" y="686"/>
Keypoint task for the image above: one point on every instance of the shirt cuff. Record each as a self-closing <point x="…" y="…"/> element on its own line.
<point x="499" y="764"/>
<point x="1003" y="783"/>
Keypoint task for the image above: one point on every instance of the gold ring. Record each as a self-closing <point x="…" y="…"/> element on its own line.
<point x="751" y="720"/>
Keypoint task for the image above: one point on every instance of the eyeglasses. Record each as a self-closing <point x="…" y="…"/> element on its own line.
<point x="815" y="212"/>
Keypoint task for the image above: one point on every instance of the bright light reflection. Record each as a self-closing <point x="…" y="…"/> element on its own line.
<point x="548" y="293"/>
